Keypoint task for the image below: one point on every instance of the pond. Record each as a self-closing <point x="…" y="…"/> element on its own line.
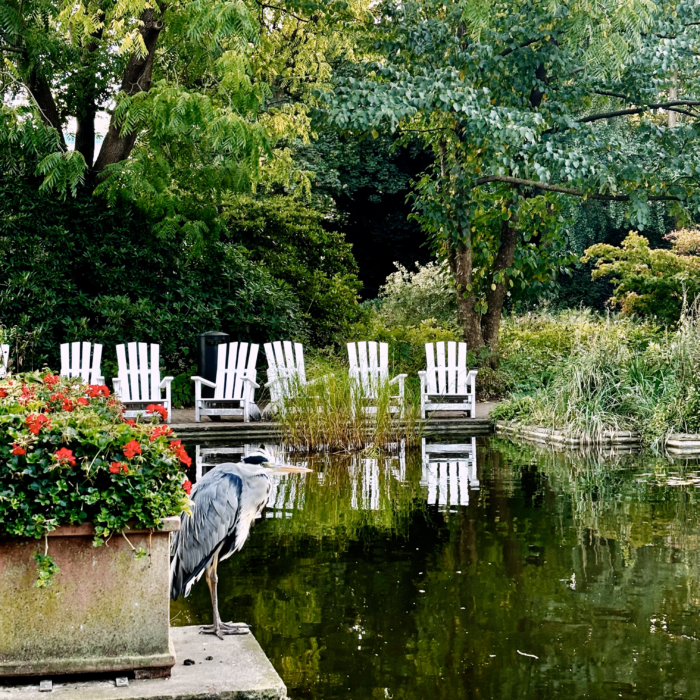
<point x="480" y="570"/>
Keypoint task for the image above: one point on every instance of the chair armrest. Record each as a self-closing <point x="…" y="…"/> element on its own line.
<point x="245" y="379"/>
<point x="422" y="373"/>
<point x="398" y="378"/>
<point x="165" y="382"/>
<point x="117" y="386"/>
<point x="100" y="380"/>
<point x="201" y="380"/>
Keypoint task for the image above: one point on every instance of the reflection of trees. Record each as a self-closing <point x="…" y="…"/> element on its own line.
<point x="569" y="558"/>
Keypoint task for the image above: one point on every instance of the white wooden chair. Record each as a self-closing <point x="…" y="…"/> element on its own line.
<point x="75" y="362"/>
<point x="447" y="385"/>
<point x="139" y="383"/>
<point x="370" y="369"/>
<point x="234" y="389"/>
<point x="285" y="372"/>
<point x="449" y="472"/>
<point x="4" y="359"/>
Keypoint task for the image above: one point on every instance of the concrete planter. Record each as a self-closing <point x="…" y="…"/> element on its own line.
<point x="106" y="610"/>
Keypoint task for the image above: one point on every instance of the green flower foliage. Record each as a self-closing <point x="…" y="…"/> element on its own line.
<point x="67" y="457"/>
<point x="651" y="283"/>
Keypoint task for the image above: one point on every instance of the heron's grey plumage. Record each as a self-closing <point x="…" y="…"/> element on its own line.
<point x="226" y="502"/>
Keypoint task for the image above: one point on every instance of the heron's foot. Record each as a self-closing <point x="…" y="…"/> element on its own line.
<point x="225" y="628"/>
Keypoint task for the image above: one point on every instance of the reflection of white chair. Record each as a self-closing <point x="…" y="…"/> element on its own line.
<point x="285" y="372"/>
<point x="369" y="370"/>
<point x="449" y="471"/>
<point x="139" y="381"/>
<point x="447" y="385"/>
<point x="234" y="389"/>
<point x="4" y="358"/>
<point x="75" y="362"/>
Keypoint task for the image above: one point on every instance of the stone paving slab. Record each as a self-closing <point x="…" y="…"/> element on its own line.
<point x="237" y="670"/>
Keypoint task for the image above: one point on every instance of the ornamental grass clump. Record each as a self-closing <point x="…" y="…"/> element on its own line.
<point x="328" y="415"/>
<point x="618" y="380"/>
<point x="68" y="457"/>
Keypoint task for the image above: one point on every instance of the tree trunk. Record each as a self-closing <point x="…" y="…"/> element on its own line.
<point x="460" y="259"/>
<point x="40" y="90"/>
<point x="496" y="293"/>
<point x="137" y="78"/>
<point x="85" y="134"/>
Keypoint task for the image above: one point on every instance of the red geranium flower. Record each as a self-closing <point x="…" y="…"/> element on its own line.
<point x="180" y="452"/>
<point x="35" y="422"/>
<point x="161" y="410"/>
<point x="17" y="450"/>
<point x="95" y="390"/>
<point x="68" y="405"/>
<point x="187" y="485"/>
<point x="65" y="455"/>
<point x="131" y="422"/>
<point x="58" y="396"/>
<point x="117" y="467"/>
<point x="51" y="379"/>
<point x="131" y="449"/>
<point x="82" y="401"/>
<point x="3" y="394"/>
<point x="160" y="430"/>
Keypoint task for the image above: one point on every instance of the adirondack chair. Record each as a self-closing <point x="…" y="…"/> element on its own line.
<point x="234" y="389"/>
<point x="370" y="370"/>
<point x="449" y="472"/>
<point x="447" y="385"/>
<point x="285" y="372"/>
<point x="4" y="359"/>
<point x="75" y="362"/>
<point x="139" y="383"/>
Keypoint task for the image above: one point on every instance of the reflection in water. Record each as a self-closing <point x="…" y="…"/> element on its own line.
<point x="405" y="576"/>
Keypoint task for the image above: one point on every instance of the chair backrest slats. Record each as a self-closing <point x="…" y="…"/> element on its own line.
<point x="451" y="367"/>
<point x="285" y="367"/>
<point x="234" y="361"/>
<point x="462" y="369"/>
<point x="236" y="373"/>
<point x="442" y="384"/>
<point x="369" y="365"/>
<point x="139" y="377"/>
<point x="76" y="361"/>
<point x="301" y="368"/>
<point x="123" y="374"/>
<point x="4" y="358"/>
<point x="448" y="374"/>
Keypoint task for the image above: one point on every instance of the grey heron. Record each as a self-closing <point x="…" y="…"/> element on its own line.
<point x="226" y="500"/>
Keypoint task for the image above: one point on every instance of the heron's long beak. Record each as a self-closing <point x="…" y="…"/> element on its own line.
<point x="289" y="469"/>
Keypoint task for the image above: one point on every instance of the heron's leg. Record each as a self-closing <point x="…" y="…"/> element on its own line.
<point x="218" y="627"/>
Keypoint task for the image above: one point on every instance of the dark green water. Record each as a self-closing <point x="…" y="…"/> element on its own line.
<point x="363" y="586"/>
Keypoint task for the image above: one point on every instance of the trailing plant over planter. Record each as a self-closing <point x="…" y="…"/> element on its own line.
<point x="67" y="457"/>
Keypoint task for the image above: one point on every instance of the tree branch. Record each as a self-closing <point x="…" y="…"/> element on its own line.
<point x="517" y="181"/>
<point x="512" y="49"/>
<point x="638" y="110"/>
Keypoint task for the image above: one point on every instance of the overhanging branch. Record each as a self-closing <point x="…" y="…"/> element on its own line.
<point x="517" y="181"/>
<point x="638" y="110"/>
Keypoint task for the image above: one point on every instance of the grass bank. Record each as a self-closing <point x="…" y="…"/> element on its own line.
<point x="585" y="374"/>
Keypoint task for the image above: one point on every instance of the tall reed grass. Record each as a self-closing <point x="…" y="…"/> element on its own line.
<point x="613" y="378"/>
<point x="328" y="415"/>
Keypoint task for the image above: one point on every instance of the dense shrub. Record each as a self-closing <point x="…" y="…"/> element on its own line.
<point x="650" y="282"/>
<point x="291" y="242"/>
<point x="78" y="270"/>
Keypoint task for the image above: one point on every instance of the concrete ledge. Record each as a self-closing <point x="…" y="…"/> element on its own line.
<point x="551" y="436"/>
<point x="237" y="670"/>
<point x="681" y="444"/>
<point x="224" y="433"/>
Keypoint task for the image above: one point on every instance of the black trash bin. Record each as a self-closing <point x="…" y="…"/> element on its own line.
<point x="207" y="353"/>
